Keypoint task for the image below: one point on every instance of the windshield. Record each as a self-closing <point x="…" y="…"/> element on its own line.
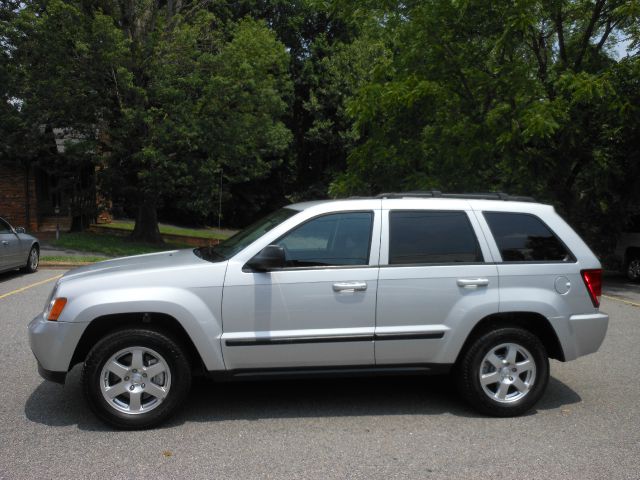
<point x="229" y="247"/>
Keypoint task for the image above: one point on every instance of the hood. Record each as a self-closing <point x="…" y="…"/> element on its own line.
<point x="138" y="264"/>
<point x="25" y="237"/>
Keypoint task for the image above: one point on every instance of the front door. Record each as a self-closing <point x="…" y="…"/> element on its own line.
<point x="318" y="311"/>
<point x="9" y="246"/>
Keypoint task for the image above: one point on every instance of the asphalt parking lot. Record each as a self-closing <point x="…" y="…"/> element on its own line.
<point x="586" y="427"/>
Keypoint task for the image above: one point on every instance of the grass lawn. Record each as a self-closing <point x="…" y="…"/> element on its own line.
<point x="109" y="245"/>
<point x="173" y="230"/>
<point x="72" y="259"/>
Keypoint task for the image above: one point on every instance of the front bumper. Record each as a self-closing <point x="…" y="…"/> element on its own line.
<point x="588" y="332"/>
<point x="53" y="344"/>
<point x="57" y="377"/>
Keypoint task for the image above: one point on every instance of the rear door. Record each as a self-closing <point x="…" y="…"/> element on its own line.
<point x="437" y="278"/>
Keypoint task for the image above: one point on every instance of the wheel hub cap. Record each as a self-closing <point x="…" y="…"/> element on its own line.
<point x="135" y="380"/>
<point x="507" y="373"/>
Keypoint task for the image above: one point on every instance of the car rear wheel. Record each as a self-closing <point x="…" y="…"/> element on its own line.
<point x="136" y="378"/>
<point x="503" y="372"/>
<point x="633" y="269"/>
<point x="33" y="260"/>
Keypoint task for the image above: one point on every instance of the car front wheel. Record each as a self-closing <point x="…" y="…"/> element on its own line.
<point x="504" y="372"/>
<point x="136" y="378"/>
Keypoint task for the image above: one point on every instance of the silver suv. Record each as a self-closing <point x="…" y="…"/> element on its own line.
<point x="488" y="287"/>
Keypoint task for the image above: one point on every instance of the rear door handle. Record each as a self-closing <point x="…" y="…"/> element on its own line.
<point x="350" y="287"/>
<point x="473" y="282"/>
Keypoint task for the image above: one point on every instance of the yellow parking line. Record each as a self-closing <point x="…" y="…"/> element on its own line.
<point x="29" y="286"/>
<point x="617" y="299"/>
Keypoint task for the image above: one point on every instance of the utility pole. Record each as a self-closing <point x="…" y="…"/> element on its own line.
<point x="220" y="201"/>
<point x="57" y="211"/>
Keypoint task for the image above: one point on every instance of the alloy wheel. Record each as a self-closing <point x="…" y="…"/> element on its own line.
<point x="633" y="269"/>
<point x="135" y="380"/>
<point x="507" y="373"/>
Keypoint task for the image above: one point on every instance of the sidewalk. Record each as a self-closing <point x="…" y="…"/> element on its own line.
<point x="48" y="250"/>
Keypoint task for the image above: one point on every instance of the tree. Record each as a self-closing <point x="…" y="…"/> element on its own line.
<point x="167" y="95"/>
<point x="512" y="96"/>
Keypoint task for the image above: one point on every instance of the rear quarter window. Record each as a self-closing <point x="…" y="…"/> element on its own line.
<point x="523" y="237"/>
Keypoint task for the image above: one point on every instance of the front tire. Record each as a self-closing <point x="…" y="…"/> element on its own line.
<point x="504" y="372"/>
<point x="136" y="378"/>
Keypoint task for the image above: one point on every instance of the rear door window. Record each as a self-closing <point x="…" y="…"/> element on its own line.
<point x="523" y="237"/>
<point x="427" y="236"/>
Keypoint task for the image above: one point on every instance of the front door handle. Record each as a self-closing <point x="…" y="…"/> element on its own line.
<point x="4" y="242"/>
<point x="473" y="282"/>
<point x="350" y="287"/>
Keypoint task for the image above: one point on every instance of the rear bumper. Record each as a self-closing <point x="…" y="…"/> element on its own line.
<point x="588" y="332"/>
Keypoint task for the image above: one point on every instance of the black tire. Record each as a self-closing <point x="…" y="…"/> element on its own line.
<point x="33" y="260"/>
<point x="172" y="355"/>
<point x="471" y="363"/>
<point x="632" y="269"/>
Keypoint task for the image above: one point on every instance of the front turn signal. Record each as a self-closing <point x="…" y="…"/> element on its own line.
<point x="56" y="309"/>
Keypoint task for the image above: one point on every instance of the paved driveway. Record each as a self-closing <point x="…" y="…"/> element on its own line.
<point x="586" y="427"/>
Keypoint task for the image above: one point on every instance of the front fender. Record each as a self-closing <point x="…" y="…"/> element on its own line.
<point x="197" y="310"/>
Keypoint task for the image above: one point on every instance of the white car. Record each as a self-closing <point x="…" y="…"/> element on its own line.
<point x="488" y="287"/>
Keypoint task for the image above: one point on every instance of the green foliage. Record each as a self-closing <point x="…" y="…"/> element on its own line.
<point x="279" y="100"/>
<point x="169" y="97"/>
<point x="508" y="96"/>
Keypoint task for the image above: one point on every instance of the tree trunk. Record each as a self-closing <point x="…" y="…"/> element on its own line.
<point x="146" y="228"/>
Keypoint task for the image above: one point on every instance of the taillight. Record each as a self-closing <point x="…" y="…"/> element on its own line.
<point x="593" y="282"/>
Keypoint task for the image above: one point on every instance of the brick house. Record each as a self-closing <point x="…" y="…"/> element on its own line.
<point x="18" y="203"/>
<point x="29" y="197"/>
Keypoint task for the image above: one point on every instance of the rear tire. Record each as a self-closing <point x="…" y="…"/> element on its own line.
<point x="504" y="372"/>
<point x="136" y="378"/>
<point x="33" y="260"/>
<point x="633" y="269"/>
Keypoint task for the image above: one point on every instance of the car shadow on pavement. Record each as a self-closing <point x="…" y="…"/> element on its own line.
<point x="55" y="405"/>
<point x="10" y="275"/>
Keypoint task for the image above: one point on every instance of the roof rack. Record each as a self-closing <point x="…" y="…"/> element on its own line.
<point x="467" y="196"/>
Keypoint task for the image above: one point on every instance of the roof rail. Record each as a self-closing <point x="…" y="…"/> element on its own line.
<point x="467" y="196"/>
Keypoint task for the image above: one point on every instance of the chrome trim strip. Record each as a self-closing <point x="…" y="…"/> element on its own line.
<point x="364" y="337"/>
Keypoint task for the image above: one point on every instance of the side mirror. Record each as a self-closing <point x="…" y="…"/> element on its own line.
<point x="270" y="257"/>
<point x="19" y="230"/>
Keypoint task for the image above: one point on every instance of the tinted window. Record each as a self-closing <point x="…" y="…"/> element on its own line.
<point x="525" y="238"/>
<point x="431" y="237"/>
<point x="336" y="239"/>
